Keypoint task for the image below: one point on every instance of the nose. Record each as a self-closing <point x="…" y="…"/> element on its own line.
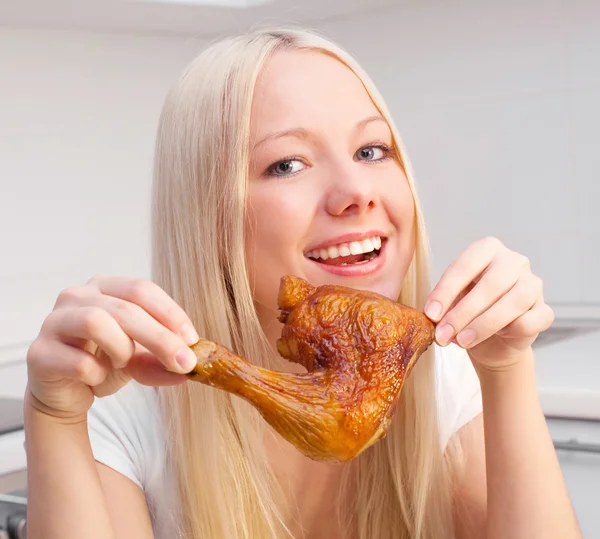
<point x="351" y="192"/>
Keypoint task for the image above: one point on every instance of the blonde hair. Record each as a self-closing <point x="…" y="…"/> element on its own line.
<point x="225" y="485"/>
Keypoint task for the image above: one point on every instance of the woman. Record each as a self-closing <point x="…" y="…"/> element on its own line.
<point x="274" y="153"/>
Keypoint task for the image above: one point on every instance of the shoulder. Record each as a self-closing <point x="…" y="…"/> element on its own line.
<point x="458" y="393"/>
<point x="127" y="434"/>
<point x="125" y="431"/>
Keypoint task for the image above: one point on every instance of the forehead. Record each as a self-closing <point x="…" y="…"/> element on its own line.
<point x="307" y="89"/>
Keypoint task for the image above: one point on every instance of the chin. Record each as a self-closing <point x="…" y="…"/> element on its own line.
<point x="387" y="286"/>
<point x="387" y="289"/>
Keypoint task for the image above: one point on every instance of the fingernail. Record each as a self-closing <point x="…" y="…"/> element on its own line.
<point x="444" y="334"/>
<point x="186" y="359"/>
<point x="433" y="310"/>
<point x="466" y="337"/>
<point x="189" y="334"/>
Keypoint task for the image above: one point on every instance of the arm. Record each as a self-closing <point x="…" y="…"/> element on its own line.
<point x="126" y="503"/>
<point x="527" y="496"/>
<point x="94" y="341"/>
<point x="470" y="486"/>
<point x="512" y="485"/>
<point x="490" y="303"/>
<point x="64" y="495"/>
<point x="68" y="490"/>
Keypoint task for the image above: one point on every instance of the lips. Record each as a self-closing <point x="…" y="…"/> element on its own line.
<point x="347" y="260"/>
<point x="359" y="245"/>
<point x="351" y="265"/>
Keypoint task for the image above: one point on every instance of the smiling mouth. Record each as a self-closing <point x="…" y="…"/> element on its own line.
<point x="351" y="253"/>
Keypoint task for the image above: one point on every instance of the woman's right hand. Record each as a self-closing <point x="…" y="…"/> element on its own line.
<point x="101" y="335"/>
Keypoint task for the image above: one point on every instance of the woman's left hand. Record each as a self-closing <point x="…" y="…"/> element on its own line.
<point x="489" y="302"/>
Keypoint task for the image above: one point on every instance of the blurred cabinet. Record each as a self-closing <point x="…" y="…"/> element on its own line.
<point x="578" y="448"/>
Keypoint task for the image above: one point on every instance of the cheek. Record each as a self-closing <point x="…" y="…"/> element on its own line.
<point x="407" y="203"/>
<point x="400" y="202"/>
<point x="274" y="230"/>
<point x="401" y="210"/>
<point x="408" y="226"/>
<point x="267" y="218"/>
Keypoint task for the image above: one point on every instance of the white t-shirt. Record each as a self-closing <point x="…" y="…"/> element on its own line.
<point x="126" y="432"/>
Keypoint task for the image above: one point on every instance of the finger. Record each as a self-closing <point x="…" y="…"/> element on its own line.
<point x="56" y="360"/>
<point x="169" y="348"/>
<point x="109" y="320"/>
<point x="91" y="323"/>
<point x="518" y="301"/>
<point x="538" y="319"/>
<point x="153" y="299"/>
<point x="496" y="281"/>
<point x="465" y="269"/>
<point x="115" y="380"/>
<point x="74" y="296"/>
<point x="147" y="369"/>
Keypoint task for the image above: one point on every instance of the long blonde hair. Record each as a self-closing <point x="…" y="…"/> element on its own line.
<point x="225" y="485"/>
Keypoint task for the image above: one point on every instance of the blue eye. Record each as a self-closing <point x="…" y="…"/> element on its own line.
<point x="376" y="152"/>
<point x="285" y="167"/>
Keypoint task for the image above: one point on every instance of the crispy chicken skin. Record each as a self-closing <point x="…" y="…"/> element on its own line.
<point x="358" y="349"/>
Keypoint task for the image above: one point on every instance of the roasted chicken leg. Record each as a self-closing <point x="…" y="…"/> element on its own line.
<point x="358" y="348"/>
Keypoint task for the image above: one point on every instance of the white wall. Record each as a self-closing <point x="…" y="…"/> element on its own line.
<point x="78" y="113"/>
<point x="77" y="120"/>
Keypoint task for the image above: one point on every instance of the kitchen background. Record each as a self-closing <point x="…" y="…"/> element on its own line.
<point x="498" y="102"/>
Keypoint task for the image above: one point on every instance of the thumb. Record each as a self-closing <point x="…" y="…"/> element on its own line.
<point x="115" y="379"/>
<point x="144" y="367"/>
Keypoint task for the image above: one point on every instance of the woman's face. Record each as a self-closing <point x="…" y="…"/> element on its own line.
<point x="328" y="201"/>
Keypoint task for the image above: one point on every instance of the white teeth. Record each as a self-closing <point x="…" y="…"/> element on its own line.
<point x="346" y="249"/>
<point x="356" y="248"/>
<point x="367" y="245"/>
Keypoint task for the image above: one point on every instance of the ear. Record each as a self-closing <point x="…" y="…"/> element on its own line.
<point x="292" y="290"/>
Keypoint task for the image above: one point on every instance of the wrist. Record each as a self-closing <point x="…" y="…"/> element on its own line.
<point x="34" y="409"/>
<point x="497" y="368"/>
<point x="514" y="381"/>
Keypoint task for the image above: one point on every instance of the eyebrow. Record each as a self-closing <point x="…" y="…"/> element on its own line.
<point x="302" y="133"/>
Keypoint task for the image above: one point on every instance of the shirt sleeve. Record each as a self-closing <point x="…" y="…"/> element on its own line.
<point x="120" y="428"/>
<point x="458" y="390"/>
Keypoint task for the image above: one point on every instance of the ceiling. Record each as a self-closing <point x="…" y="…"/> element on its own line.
<point x="177" y="16"/>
